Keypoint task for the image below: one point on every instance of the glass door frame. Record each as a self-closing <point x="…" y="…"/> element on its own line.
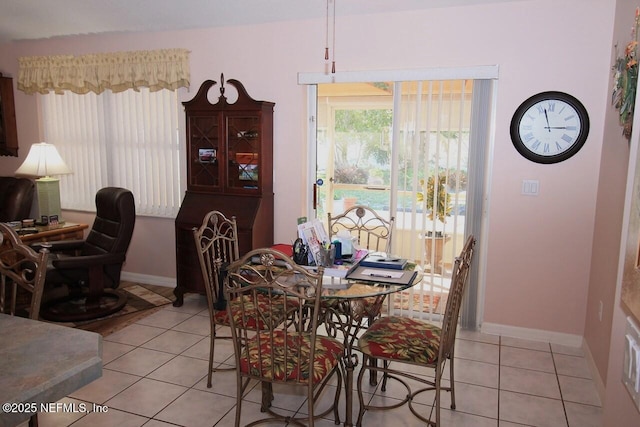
<point x="474" y="314"/>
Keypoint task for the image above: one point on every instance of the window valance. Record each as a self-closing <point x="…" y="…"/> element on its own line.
<point x="118" y="71"/>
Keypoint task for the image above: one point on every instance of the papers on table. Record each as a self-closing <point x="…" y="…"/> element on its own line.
<point x="382" y="275"/>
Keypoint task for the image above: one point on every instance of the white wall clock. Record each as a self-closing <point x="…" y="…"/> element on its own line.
<point x="549" y="127"/>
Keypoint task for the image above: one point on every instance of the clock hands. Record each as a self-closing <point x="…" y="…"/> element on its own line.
<point x="548" y="126"/>
<point x="546" y="116"/>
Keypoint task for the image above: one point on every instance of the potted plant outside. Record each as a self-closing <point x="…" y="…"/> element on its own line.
<point x="439" y="206"/>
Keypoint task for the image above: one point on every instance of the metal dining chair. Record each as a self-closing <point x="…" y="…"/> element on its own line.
<point x="288" y="350"/>
<point x="21" y="270"/>
<point x="217" y="246"/>
<point x="404" y="340"/>
<point x="371" y="231"/>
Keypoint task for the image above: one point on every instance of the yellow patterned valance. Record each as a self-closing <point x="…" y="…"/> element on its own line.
<point x="118" y="71"/>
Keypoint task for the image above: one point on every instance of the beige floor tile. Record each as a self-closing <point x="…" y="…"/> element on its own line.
<point x="199" y="325"/>
<point x="197" y="409"/>
<point x="174" y="359"/>
<point x="193" y="304"/>
<point x="473" y="372"/>
<point x="565" y="349"/>
<point x="527" y="359"/>
<point x="250" y="412"/>
<point x="181" y="370"/>
<point x="528" y="344"/>
<point x="579" y="390"/>
<point x="572" y="366"/>
<point x="530" y="382"/>
<point x="166" y="319"/>
<point x="583" y="415"/>
<point x="146" y="397"/>
<point x="62" y="417"/>
<point x="140" y="361"/>
<point x="113" y="417"/>
<point x="458" y="418"/>
<point x="135" y="334"/>
<point x="112" y="350"/>
<point x="222" y="382"/>
<point x="471" y="399"/>
<point x="172" y="342"/>
<point x="158" y="423"/>
<point x="477" y="336"/>
<point x="531" y="410"/>
<point x="105" y="387"/>
<point x="478" y="351"/>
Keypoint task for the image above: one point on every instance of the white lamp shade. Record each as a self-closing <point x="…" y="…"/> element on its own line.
<point x="43" y="160"/>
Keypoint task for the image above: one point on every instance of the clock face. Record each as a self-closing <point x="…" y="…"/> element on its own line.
<point x="549" y="127"/>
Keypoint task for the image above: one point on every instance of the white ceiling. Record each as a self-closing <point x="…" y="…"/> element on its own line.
<point x="37" y="19"/>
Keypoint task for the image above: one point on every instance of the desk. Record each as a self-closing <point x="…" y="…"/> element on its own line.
<point x="345" y="310"/>
<point x="42" y="363"/>
<point x="66" y="231"/>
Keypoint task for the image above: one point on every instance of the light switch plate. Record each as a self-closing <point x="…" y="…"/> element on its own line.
<point x="530" y="187"/>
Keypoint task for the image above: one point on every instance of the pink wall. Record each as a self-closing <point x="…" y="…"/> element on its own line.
<point x="610" y="203"/>
<point x="538" y="250"/>
<point x="618" y="407"/>
<point x="521" y="267"/>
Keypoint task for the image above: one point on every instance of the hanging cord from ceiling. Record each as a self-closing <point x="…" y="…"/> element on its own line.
<point x="333" y="36"/>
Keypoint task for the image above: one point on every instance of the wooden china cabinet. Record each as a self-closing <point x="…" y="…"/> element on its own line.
<point x="229" y="169"/>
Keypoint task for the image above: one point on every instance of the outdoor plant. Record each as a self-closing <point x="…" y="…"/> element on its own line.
<point x="442" y="200"/>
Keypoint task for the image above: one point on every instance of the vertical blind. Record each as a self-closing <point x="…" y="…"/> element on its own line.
<point x="128" y="139"/>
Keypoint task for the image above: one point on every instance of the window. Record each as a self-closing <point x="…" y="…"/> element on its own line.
<point x="129" y="139"/>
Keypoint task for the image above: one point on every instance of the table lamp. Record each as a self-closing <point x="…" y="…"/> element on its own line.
<point x="42" y="162"/>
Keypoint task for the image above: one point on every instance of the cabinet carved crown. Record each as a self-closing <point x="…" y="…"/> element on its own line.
<point x="229" y="144"/>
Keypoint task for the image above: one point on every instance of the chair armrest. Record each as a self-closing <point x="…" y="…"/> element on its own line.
<point x="59" y="246"/>
<point x="87" y="261"/>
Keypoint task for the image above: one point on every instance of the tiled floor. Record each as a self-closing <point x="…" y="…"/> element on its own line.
<point x="155" y="375"/>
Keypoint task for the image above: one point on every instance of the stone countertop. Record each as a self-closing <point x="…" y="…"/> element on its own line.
<point x="42" y="362"/>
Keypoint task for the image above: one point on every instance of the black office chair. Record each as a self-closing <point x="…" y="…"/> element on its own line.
<point x="90" y="269"/>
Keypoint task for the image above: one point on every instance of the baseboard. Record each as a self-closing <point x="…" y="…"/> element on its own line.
<point x="570" y="340"/>
<point x="595" y="374"/>
<point x="169" y="282"/>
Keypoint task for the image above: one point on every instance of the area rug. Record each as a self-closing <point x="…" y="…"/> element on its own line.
<point x="142" y="300"/>
<point x="416" y="302"/>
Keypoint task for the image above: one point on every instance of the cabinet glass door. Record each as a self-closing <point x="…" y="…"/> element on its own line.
<point x="243" y="139"/>
<point x="204" y="150"/>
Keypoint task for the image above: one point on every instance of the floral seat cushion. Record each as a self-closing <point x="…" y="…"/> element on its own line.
<point x="272" y="348"/>
<point x="403" y="339"/>
<point x="254" y="320"/>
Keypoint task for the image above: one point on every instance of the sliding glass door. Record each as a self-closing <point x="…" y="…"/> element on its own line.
<point x="404" y="148"/>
